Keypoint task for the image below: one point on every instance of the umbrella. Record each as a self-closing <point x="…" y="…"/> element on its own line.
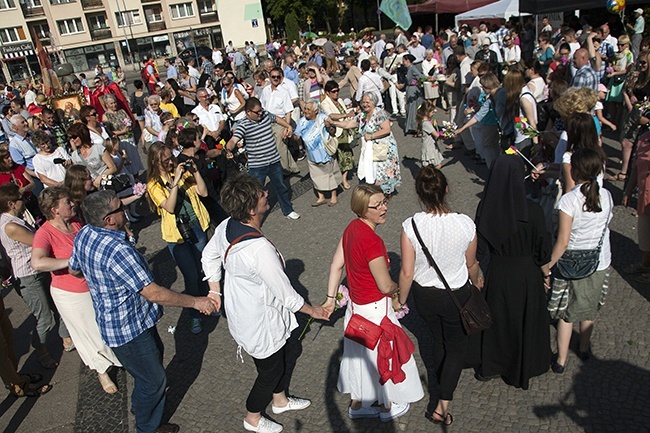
<point x="367" y="30"/>
<point x="319" y="42"/>
<point x="311" y="35"/>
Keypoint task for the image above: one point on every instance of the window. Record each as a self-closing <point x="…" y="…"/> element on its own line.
<point x="13" y="34"/>
<point x="7" y="4"/>
<point x="42" y="31"/>
<point x="127" y="18"/>
<point x="31" y="4"/>
<point x="60" y="2"/>
<point x="97" y="22"/>
<point x="206" y="7"/>
<point x="69" y="27"/>
<point x="154" y="15"/>
<point x="182" y="10"/>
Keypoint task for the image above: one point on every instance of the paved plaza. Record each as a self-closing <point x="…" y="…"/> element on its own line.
<point x="208" y="384"/>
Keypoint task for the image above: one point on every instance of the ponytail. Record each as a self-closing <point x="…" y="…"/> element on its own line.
<point x="591" y="191"/>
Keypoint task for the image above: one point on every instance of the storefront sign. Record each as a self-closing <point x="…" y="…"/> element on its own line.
<point x="162" y="38"/>
<point x="17" y="48"/>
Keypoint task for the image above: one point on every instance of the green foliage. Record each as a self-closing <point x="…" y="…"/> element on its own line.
<point x="291" y="27"/>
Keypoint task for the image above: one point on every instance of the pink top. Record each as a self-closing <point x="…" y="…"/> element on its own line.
<point x="59" y="245"/>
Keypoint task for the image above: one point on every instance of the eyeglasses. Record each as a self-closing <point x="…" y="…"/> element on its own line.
<point x="621" y="45"/>
<point x="384" y="202"/>
<point x="118" y="210"/>
<point x="507" y="40"/>
<point x="643" y="63"/>
<point x="258" y="112"/>
<point x="276" y="77"/>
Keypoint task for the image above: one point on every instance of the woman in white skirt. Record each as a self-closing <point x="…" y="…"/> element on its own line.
<point x="51" y="249"/>
<point x="323" y="167"/>
<point x="363" y="373"/>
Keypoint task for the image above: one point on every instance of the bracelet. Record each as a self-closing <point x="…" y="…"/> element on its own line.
<point x="214" y="292"/>
<point x="331" y="297"/>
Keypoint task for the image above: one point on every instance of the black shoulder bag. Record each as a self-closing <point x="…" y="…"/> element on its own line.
<point x="475" y="314"/>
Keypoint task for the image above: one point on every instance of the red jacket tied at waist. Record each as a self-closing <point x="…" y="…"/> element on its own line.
<point x="400" y="352"/>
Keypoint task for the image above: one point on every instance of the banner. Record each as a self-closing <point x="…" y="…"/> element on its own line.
<point x="398" y="11"/>
<point x="51" y="84"/>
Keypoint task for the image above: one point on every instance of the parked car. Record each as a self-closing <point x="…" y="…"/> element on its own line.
<point x="190" y="53"/>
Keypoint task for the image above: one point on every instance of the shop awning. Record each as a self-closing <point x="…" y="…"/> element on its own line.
<point x="447" y="6"/>
<point x="17" y="51"/>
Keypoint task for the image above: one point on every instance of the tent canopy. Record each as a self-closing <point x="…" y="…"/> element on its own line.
<point x="501" y="9"/>
<point x="447" y="6"/>
<point x="548" y="6"/>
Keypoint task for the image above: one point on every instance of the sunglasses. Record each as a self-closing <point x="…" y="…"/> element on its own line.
<point x="334" y="90"/>
<point x="643" y="63"/>
<point x="258" y="112"/>
<point x="275" y="77"/>
<point x="118" y="210"/>
<point x="92" y="114"/>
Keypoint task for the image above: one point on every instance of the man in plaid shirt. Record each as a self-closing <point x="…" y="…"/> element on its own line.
<point x="501" y="34"/>
<point x="128" y="304"/>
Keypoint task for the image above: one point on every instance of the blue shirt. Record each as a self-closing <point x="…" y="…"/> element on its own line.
<point x="311" y="135"/>
<point x="427" y="41"/>
<point x="22" y="151"/>
<point x="116" y="273"/>
<point x="172" y="72"/>
<point x="291" y="73"/>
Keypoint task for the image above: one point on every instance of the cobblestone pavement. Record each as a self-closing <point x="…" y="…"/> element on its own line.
<point x="208" y="385"/>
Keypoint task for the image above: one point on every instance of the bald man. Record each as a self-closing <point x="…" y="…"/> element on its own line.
<point x="585" y="76"/>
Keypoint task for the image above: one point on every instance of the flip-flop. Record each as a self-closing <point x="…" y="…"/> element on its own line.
<point x="446" y="420"/>
<point x="318" y="203"/>
<point x="332" y="203"/>
<point x="33" y="392"/>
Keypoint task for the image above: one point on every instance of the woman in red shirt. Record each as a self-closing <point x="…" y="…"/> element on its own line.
<point x="363" y="254"/>
<point x="14" y="173"/>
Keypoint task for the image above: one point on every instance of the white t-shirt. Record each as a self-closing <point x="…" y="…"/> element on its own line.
<point x="587" y="227"/>
<point x="210" y="118"/>
<point x="525" y="94"/>
<point x="44" y="164"/>
<point x="539" y="88"/>
<point x="276" y="101"/>
<point x="447" y="236"/>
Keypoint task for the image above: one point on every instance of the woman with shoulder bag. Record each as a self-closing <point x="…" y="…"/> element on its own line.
<point x="174" y="190"/>
<point x="334" y="107"/>
<point x="585" y="213"/>
<point x="363" y="374"/>
<point x="512" y="233"/>
<point x="451" y="239"/>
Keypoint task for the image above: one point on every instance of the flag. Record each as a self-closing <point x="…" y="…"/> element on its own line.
<point x="51" y="83"/>
<point x="398" y="11"/>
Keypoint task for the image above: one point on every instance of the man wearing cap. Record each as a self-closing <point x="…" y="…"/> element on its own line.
<point x="364" y="53"/>
<point x="485" y="54"/>
<point x="638" y="28"/>
<point x="391" y="62"/>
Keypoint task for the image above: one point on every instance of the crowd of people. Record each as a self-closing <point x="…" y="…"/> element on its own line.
<point x="71" y="180"/>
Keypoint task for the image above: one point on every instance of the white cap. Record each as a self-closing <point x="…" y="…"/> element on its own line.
<point x="638" y="11"/>
<point x="390" y="46"/>
<point x="367" y="45"/>
<point x="487" y="41"/>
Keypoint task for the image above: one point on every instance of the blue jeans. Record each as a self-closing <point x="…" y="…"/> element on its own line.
<point x="142" y="358"/>
<point x="188" y="258"/>
<point x="274" y="173"/>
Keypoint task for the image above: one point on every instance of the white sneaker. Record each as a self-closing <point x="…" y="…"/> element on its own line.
<point x="264" y="426"/>
<point x="293" y="215"/>
<point x="396" y="410"/>
<point x="364" y="412"/>
<point x="294" y="404"/>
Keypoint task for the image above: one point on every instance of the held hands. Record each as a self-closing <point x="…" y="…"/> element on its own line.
<point x="320" y="313"/>
<point x="396" y="305"/>
<point x="287" y="133"/>
<point x="206" y="305"/>
<point x="216" y="299"/>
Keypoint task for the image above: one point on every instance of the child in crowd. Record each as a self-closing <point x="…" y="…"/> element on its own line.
<point x="598" y="109"/>
<point x="430" y="154"/>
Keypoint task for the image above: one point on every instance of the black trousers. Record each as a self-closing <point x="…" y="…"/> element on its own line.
<point x="449" y="338"/>
<point x="270" y="380"/>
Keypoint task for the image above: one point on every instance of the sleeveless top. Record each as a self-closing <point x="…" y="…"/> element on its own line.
<point x="19" y="253"/>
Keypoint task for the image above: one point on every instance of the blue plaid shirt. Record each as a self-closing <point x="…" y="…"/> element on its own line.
<point x="585" y="77"/>
<point x="115" y="272"/>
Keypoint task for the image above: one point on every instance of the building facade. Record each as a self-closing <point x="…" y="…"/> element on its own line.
<point x="87" y="33"/>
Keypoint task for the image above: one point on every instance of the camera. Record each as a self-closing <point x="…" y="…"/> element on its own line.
<point x="58" y="160"/>
<point x="184" y="228"/>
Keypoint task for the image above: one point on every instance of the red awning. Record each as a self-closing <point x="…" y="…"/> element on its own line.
<point x="447" y="6"/>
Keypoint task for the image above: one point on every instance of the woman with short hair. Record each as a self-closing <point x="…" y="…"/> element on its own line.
<point x="92" y="155"/>
<point x="122" y="127"/>
<point x="335" y="108"/>
<point x="51" y="160"/>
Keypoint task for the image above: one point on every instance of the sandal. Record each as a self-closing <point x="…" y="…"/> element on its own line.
<point x="47" y="361"/>
<point x="19" y="392"/>
<point x="444" y="420"/>
<point x="618" y="177"/>
<point x="332" y="203"/>
<point x="107" y="384"/>
<point x="318" y="203"/>
<point x="30" y="378"/>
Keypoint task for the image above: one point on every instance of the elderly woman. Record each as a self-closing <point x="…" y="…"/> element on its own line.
<point x="88" y="116"/>
<point x="429" y="63"/>
<point x="451" y="239"/>
<point x="323" y="168"/>
<point x="152" y="123"/>
<point x="379" y="161"/>
<point x="259" y="299"/>
<point x="51" y="249"/>
<point x="363" y="373"/>
<point x="51" y="161"/>
<point x="17" y="237"/>
<point x="92" y="155"/>
<point x="122" y="127"/>
<point x="335" y="108"/>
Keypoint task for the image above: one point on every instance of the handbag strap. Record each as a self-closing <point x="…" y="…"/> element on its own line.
<point x="602" y="237"/>
<point x="239" y="239"/>
<point x="434" y="265"/>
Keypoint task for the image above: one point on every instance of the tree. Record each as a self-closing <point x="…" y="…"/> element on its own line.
<point x="291" y="27"/>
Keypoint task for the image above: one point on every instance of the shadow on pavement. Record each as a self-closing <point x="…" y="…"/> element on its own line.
<point x="622" y="248"/>
<point x="606" y="396"/>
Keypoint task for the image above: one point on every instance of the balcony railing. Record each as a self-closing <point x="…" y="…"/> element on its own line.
<point x="149" y="1"/>
<point x="92" y="4"/>
<point x="210" y="17"/>
<point x="33" y="11"/>
<point x="155" y="27"/>
<point x="100" y="34"/>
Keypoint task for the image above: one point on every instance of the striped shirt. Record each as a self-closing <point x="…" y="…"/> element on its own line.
<point x="260" y="141"/>
<point x="116" y="273"/>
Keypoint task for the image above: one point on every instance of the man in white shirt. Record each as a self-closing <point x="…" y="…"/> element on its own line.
<point x="276" y="100"/>
<point x="637" y="32"/>
<point x="211" y="118"/>
<point x="512" y="52"/>
<point x="379" y="46"/>
<point x="364" y="53"/>
<point x="417" y="50"/>
<point x="465" y="64"/>
<point x="217" y="57"/>
<point x="369" y="82"/>
<point x="192" y="71"/>
<point x="391" y="62"/>
<point x="547" y="26"/>
<point x="400" y="38"/>
<point x="448" y="51"/>
<point x="607" y="37"/>
<point x="230" y="48"/>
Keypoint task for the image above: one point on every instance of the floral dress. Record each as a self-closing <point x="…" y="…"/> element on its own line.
<point x="383" y="173"/>
<point x="120" y="120"/>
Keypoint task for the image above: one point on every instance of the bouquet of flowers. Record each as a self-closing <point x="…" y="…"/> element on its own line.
<point x="341" y="300"/>
<point x="522" y="125"/>
<point x="127" y="122"/>
<point x="403" y="312"/>
<point x="115" y="182"/>
<point x="448" y="129"/>
<point x="139" y="189"/>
